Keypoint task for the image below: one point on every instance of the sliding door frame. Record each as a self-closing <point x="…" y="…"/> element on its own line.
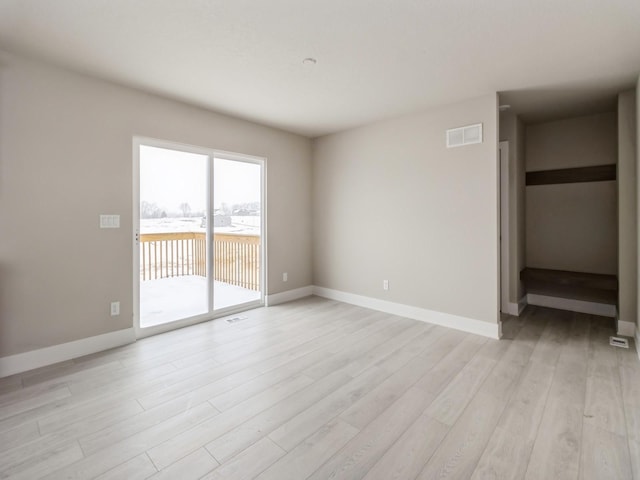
<point x="139" y="141"/>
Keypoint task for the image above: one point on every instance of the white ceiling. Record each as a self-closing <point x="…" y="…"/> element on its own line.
<point x="375" y="58"/>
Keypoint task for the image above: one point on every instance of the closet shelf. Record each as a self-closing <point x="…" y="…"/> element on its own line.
<point x="598" y="173"/>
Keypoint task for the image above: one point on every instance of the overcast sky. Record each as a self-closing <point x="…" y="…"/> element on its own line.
<point x="169" y="178"/>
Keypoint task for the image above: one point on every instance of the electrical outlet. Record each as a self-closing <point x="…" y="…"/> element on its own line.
<point x="285" y="276"/>
<point x="385" y="284"/>
<point x="115" y="308"/>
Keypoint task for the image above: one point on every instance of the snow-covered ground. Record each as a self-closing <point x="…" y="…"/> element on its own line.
<point x="169" y="299"/>
<point x="239" y="224"/>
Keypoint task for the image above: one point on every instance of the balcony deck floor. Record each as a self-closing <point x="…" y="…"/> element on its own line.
<point x="168" y="299"/>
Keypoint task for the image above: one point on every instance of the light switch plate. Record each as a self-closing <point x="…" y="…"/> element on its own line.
<point x="109" y="221"/>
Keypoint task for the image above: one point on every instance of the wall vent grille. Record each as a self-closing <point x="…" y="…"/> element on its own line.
<point x="467" y="135"/>
<point x="619" y="342"/>
<point x="236" y="319"/>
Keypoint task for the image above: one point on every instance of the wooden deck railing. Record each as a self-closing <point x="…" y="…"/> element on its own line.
<point x="236" y="257"/>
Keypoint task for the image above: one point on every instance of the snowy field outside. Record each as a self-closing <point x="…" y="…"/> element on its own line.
<point x="241" y="224"/>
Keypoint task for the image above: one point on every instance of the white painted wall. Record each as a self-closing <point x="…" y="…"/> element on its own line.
<point x="66" y="157"/>
<point x="390" y="201"/>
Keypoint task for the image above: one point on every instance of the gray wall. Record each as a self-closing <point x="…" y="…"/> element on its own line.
<point x="572" y="226"/>
<point x="66" y="157"/>
<point x="627" y="211"/>
<point x="390" y="201"/>
<point x="512" y="131"/>
<point x="638" y="197"/>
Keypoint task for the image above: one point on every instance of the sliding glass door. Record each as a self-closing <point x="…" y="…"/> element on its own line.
<point x="236" y="232"/>
<point x="199" y="223"/>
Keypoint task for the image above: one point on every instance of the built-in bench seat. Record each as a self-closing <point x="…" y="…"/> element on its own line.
<point x="588" y="287"/>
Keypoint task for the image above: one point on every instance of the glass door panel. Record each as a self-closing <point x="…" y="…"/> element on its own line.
<point x="173" y="247"/>
<point x="237" y="203"/>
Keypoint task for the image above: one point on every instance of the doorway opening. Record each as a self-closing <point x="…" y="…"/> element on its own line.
<point x="199" y="249"/>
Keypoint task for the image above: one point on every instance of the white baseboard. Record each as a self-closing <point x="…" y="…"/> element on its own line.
<point x="581" y="306"/>
<point x="288" y="296"/>
<point x="522" y="304"/>
<point x="626" y="329"/>
<point x="515" y="309"/>
<point x="470" y="325"/>
<point x="42" y="357"/>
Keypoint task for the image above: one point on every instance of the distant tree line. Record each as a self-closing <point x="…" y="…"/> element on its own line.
<point x="249" y="208"/>
<point x="152" y="210"/>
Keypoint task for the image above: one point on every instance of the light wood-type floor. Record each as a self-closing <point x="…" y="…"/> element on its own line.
<point x="318" y="389"/>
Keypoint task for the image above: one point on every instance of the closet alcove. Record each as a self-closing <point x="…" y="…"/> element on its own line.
<point x="584" y="286"/>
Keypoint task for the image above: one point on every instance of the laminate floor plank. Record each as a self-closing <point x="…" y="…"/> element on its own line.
<point x="352" y="351"/>
<point x="310" y="454"/>
<point x="10" y="384"/>
<point x="199" y="436"/>
<point x="42" y="443"/>
<point x="554" y="337"/>
<point x="200" y="338"/>
<point x="138" y="468"/>
<point x="450" y="403"/>
<point x="604" y="455"/>
<point x="33" y="402"/>
<point x="89" y="417"/>
<point x="248" y="463"/>
<point x="507" y="453"/>
<point x="363" y="411"/>
<point x="450" y="364"/>
<point x="231" y="398"/>
<point x="387" y="350"/>
<point x="284" y="339"/>
<point x="351" y="328"/>
<point x="407" y="456"/>
<point x="104" y="460"/>
<point x="629" y="371"/>
<point x="75" y="372"/>
<point x="61" y="368"/>
<point x="458" y="454"/>
<point x="297" y="428"/>
<point x="556" y="452"/>
<point x="278" y="346"/>
<point x="37" y="466"/>
<point x="122" y="376"/>
<point x="102" y="398"/>
<point x="359" y="455"/>
<point x="604" y="407"/>
<point x="94" y="442"/>
<point x="204" y="386"/>
<point x="10" y="399"/>
<point x="263" y="423"/>
<point x="192" y="467"/>
<point x="18" y="436"/>
<point x="318" y="389"/>
<point x="603" y="360"/>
